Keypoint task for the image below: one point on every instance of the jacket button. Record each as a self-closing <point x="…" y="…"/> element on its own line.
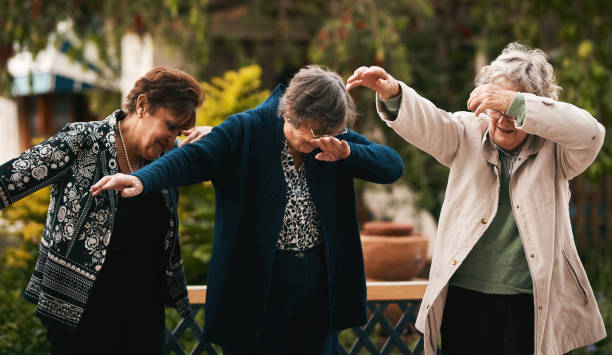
<point x="483" y="221"/>
<point x="539" y="308"/>
<point x="519" y="158"/>
<point x="532" y="256"/>
<point x="517" y="207"/>
<point x="454" y="262"/>
<point x="593" y="138"/>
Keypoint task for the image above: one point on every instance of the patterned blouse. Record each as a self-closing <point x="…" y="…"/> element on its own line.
<point x="300" y="229"/>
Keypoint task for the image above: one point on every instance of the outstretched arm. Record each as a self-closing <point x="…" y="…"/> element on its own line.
<point x="192" y="163"/>
<point x="43" y="164"/>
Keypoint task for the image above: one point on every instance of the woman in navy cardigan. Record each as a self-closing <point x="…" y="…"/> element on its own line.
<point x="286" y="272"/>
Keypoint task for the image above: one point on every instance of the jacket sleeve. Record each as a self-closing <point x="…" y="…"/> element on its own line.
<point x="43" y="164"/>
<point x="372" y="162"/>
<point x="578" y="134"/>
<point x="195" y="162"/>
<point x="425" y="126"/>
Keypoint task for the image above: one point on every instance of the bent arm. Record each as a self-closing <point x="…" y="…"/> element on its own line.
<point x="43" y="164"/>
<point x="373" y="162"/>
<point x="578" y="134"/>
<point x="424" y="125"/>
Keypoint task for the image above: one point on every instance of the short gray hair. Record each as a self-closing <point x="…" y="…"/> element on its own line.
<point x="318" y="95"/>
<point x="527" y="68"/>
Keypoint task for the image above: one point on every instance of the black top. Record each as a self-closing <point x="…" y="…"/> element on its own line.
<point x="135" y="253"/>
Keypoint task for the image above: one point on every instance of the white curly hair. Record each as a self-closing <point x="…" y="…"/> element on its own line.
<point x="527" y="68"/>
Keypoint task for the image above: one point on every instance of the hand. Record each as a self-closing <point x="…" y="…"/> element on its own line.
<point x="490" y="96"/>
<point x="129" y="185"/>
<point x="375" y="78"/>
<point x="332" y="148"/>
<point x="195" y="134"/>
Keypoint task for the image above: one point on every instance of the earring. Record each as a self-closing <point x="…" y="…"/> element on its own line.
<point x="139" y="113"/>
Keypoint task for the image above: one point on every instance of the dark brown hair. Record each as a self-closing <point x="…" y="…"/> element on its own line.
<point x="171" y="89"/>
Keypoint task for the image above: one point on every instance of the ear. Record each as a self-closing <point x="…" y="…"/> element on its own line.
<point x="141" y="105"/>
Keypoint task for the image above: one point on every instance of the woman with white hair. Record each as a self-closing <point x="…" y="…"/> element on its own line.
<point x="505" y="277"/>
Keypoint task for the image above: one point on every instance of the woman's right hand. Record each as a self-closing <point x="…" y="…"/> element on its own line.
<point x="128" y="185"/>
<point x="375" y="78"/>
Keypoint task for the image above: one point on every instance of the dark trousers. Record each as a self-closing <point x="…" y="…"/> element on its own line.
<point x="478" y="323"/>
<point x="297" y="315"/>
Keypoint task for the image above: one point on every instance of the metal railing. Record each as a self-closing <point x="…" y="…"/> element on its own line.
<point x="392" y="306"/>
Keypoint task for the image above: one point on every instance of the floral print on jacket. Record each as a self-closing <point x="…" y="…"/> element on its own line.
<point x="79" y="226"/>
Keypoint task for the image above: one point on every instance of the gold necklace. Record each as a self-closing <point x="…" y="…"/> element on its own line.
<point x="124" y="150"/>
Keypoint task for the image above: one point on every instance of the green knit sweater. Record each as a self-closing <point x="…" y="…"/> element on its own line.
<point x="497" y="264"/>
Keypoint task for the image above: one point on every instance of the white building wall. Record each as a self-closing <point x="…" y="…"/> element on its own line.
<point x="9" y="130"/>
<point x="136" y="59"/>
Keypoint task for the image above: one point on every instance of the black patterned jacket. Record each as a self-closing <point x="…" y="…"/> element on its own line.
<point x="79" y="226"/>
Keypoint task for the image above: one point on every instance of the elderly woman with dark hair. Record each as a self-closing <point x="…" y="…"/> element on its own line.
<point x="286" y="272"/>
<point x="100" y="255"/>
<point x="505" y="277"/>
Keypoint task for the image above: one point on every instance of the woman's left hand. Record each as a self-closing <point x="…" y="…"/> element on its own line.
<point x="490" y="96"/>
<point x="195" y="134"/>
<point x="332" y="148"/>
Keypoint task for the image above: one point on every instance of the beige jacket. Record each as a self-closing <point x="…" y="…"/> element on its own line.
<point x="563" y="142"/>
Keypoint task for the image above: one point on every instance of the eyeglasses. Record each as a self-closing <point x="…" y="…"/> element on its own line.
<point x="498" y="115"/>
<point x="317" y="136"/>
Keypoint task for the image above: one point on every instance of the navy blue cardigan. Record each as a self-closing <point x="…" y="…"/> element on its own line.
<point x="242" y="157"/>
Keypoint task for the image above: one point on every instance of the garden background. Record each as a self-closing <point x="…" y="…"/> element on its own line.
<point x="239" y="50"/>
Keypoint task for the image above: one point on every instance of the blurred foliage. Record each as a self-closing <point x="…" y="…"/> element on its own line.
<point x="234" y="91"/>
<point x="435" y="46"/>
<point x="20" y="331"/>
<point x="32" y="25"/>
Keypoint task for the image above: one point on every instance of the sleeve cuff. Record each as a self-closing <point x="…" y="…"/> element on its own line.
<point x="392" y="105"/>
<point x="518" y="109"/>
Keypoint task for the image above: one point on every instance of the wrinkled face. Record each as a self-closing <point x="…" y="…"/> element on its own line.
<point x="503" y="132"/>
<point x="501" y="126"/>
<point x="302" y="138"/>
<point x="299" y="138"/>
<point x="157" y="132"/>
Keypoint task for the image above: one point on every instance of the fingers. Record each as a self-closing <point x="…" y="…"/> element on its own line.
<point x="357" y="73"/>
<point x="96" y="188"/>
<point x="324" y="157"/>
<point x="195" y="134"/>
<point x="366" y="76"/>
<point x="117" y="182"/>
<point x="482" y="107"/>
<point x="332" y="149"/>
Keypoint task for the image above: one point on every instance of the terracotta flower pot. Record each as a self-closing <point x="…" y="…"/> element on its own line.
<point x="392" y="253"/>
<point x="387" y="228"/>
<point x="393" y="258"/>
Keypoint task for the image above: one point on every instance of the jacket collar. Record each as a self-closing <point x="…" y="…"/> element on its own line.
<point x="531" y="146"/>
